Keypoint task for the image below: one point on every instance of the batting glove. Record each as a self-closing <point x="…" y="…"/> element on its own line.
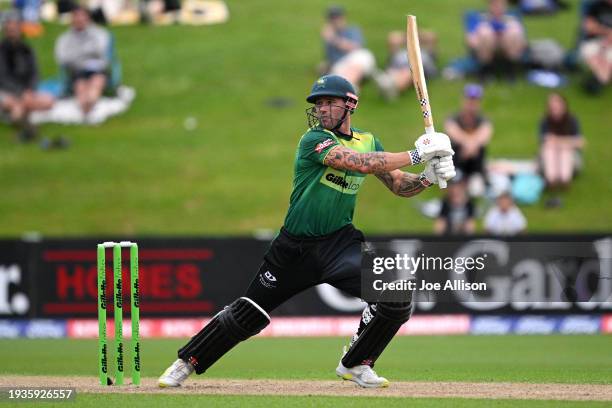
<point x="431" y="145"/>
<point x="445" y="169"/>
<point x="438" y="169"/>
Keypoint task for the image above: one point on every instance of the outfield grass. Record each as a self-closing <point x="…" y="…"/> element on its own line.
<point x="143" y="173"/>
<point x="163" y="401"/>
<point x="537" y="359"/>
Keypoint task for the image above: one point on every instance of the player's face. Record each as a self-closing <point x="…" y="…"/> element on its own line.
<point x="329" y="110"/>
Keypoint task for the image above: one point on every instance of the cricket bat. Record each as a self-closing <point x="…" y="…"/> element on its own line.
<point x="418" y="77"/>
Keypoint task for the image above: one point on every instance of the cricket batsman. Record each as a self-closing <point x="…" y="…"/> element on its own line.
<point x="318" y="242"/>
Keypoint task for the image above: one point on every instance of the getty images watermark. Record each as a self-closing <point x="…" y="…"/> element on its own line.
<point x="411" y="265"/>
<point x="487" y="270"/>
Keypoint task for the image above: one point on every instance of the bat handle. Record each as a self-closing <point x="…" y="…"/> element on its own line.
<point x="441" y="182"/>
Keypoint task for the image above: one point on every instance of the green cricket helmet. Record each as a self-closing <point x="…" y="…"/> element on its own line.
<point x="334" y="85"/>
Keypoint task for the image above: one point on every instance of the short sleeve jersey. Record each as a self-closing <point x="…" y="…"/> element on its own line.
<point x="323" y="198"/>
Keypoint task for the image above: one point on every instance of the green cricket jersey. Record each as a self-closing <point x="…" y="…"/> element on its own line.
<point x="323" y="198"/>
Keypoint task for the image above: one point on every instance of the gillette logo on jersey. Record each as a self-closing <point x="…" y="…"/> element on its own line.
<point x="342" y="182"/>
<point x="321" y="146"/>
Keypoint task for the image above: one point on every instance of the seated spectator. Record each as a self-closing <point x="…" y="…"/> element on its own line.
<point x="470" y="133"/>
<point x="344" y="48"/>
<point x="504" y="218"/>
<point x="397" y="77"/>
<point x="561" y="138"/>
<point x="457" y="215"/>
<point x="497" y="40"/>
<point x="18" y="79"/>
<point x="83" y="51"/>
<point x="596" y="49"/>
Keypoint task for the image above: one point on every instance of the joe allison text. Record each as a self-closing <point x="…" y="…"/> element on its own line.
<point x="451" y="284"/>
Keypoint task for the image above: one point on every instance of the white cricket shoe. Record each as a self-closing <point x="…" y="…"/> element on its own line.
<point x="363" y="375"/>
<point x="176" y="374"/>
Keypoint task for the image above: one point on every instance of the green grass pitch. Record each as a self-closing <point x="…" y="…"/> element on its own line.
<point x="536" y="359"/>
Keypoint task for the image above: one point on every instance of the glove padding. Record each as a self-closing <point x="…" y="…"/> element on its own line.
<point x="439" y="169"/>
<point x="432" y="145"/>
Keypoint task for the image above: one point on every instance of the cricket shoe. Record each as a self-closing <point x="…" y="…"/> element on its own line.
<point x="363" y="375"/>
<point x="176" y="374"/>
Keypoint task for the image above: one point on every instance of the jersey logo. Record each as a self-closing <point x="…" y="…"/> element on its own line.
<point x="321" y="146"/>
<point x="339" y="181"/>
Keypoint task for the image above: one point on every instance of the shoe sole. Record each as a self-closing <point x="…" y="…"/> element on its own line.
<point x="164" y="385"/>
<point x="351" y="377"/>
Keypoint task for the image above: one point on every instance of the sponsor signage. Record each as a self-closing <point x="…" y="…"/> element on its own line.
<point x="177" y="277"/>
<point x="195" y="278"/>
<point x="319" y="326"/>
<point x="14" y="279"/>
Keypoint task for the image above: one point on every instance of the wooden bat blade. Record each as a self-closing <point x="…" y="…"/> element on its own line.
<point x="418" y="76"/>
<point x="418" y="73"/>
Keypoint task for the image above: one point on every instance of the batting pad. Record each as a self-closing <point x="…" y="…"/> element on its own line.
<point x="235" y="323"/>
<point x="377" y="334"/>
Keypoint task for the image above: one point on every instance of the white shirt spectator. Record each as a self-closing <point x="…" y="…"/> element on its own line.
<point x="505" y="223"/>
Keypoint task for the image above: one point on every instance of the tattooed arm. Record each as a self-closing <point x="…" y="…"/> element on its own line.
<point x="342" y="158"/>
<point x="401" y="183"/>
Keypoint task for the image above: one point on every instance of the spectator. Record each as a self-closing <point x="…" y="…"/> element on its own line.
<point x="497" y="39"/>
<point x="561" y="138"/>
<point x="83" y="51"/>
<point x="397" y="77"/>
<point x="18" y="79"/>
<point x="457" y="215"/>
<point x="470" y="132"/>
<point x="596" y="49"/>
<point x="505" y="218"/>
<point x="344" y="48"/>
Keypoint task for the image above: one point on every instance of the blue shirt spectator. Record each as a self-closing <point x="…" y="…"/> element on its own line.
<point x="344" y="48"/>
<point x="335" y="53"/>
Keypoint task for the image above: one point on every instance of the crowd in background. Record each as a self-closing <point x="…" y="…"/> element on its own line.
<point x="83" y="58"/>
<point x="497" y="47"/>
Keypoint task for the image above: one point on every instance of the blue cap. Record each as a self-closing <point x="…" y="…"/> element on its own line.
<point x="473" y="91"/>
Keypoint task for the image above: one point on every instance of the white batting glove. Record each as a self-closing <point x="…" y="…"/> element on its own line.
<point x="431" y="145"/>
<point x="428" y="176"/>
<point x="445" y="168"/>
<point x="437" y="169"/>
